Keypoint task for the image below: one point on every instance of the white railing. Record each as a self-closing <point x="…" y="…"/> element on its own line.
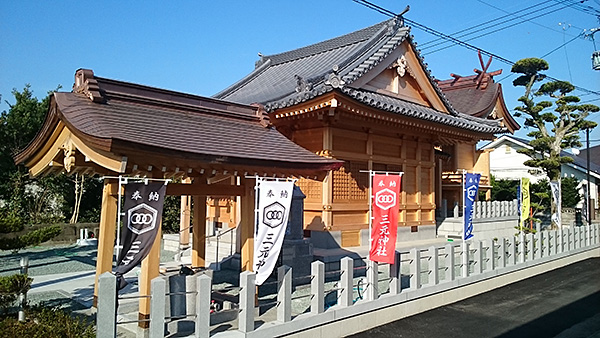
<point x="416" y="273"/>
<point x="485" y="209"/>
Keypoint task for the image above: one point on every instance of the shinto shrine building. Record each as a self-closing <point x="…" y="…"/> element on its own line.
<point x="367" y="98"/>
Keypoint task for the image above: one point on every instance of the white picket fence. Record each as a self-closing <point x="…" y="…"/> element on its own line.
<point x="486" y="209"/>
<point x="421" y="271"/>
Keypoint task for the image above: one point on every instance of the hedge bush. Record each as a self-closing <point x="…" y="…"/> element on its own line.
<point x="31" y="238"/>
<point x="47" y="323"/>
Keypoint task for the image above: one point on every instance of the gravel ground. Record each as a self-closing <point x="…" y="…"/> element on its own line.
<point x="48" y="260"/>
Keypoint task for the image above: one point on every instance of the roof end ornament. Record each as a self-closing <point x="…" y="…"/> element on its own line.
<point x="334" y="80"/>
<point x="262" y="115"/>
<point x="85" y="83"/>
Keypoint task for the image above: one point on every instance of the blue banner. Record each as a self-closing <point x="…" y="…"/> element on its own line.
<point x="471" y="187"/>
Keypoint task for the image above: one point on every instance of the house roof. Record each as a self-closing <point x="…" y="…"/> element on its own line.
<point x="579" y="162"/>
<point x="594" y="154"/>
<point x="125" y="118"/>
<point x="478" y="95"/>
<point x="289" y="78"/>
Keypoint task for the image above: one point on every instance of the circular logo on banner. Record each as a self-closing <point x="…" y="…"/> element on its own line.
<point x="141" y="218"/>
<point x="385" y="199"/>
<point x="273" y="215"/>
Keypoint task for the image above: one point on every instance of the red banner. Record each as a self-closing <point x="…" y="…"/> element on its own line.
<point x="385" y="202"/>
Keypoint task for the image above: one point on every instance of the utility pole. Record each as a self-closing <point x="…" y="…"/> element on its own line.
<point x="587" y="159"/>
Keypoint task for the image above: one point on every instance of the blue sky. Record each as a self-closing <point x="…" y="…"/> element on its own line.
<point x="201" y="47"/>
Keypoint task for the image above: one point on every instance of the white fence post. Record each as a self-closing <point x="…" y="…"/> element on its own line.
<point x="538" y="245"/>
<point x="317" y="287"/>
<point x="204" y="292"/>
<point x="106" y="317"/>
<point x="522" y="247"/>
<point x="465" y="260"/>
<point x="247" y="292"/>
<point x="450" y="275"/>
<point x="546" y="243"/>
<point x="492" y="255"/>
<point x="346" y="281"/>
<point x="415" y="269"/>
<point x="502" y="253"/>
<point x="512" y="242"/>
<point x="529" y="247"/>
<point x="478" y="257"/>
<point x="158" y="287"/>
<point x="372" y="280"/>
<point x="434" y="266"/>
<point x="284" y="294"/>
<point x="396" y="274"/>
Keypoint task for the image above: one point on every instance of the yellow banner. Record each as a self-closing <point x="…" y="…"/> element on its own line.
<point x="525" y="200"/>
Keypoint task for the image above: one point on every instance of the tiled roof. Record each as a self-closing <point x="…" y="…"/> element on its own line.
<point x="471" y="100"/>
<point x="594" y="154"/>
<point x="410" y="109"/>
<point x="289" y="78"/>
<point x="476" y="97"/>
<point x="129" y="115"/>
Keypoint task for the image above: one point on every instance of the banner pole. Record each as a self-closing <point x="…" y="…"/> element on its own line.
<point x="464" y="178"/>
<point x="370" y="207"/>
<point x="118" y="241"/>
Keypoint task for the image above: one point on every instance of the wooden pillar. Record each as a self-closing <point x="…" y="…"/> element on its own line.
<point x="246" y="226"/>
<point x="149" y="271"/>
<point x="199" y="233"/>
<point x="419" y="185"/>
<point x="184" y="220"/>
<point x="106" y="237"/>
<point x="327" y="215"/>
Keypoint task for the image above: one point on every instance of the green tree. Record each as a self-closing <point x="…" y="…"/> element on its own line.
<point x="556" y="122"/>
<point x="503" y="190"/>
<point x="25" y="200"/>
<point x="570" y="195"/>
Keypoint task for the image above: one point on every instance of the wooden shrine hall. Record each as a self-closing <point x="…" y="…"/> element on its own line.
<point x="368" y="99"/>
<point x="109" y="128"/>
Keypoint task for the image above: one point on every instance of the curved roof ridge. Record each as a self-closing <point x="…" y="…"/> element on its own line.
<point x="411" y="109"/>
<point x="323" y="46"/>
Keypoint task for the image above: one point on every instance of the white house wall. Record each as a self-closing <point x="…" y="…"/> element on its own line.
<point x="509" y="166"/>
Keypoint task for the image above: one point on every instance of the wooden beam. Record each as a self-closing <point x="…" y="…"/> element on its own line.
<point x="246" y="228"/>
<point x="149" y="271"/>
<point x="199" y="232"/>
<point x="106" y="237"/>
<point x="204" y="190"/>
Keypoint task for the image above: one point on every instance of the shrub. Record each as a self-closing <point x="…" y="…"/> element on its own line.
<point x="10" y="223"/>
<point x="47" y="323"/>
<point x="10" y="287"/>
<point x="31" y="238"/>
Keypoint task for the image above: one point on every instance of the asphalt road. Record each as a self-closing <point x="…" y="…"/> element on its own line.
<point x="560" y="303"/>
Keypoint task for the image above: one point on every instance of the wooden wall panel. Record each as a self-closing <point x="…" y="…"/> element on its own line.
<point x="349" y="184"/>
<point x="410" y="184"/>
<point x="312" y="189"/>
<point x="386" y="149"/>
<point x="465" y="156"/>
<point x="311" y="139"/>
<point x="426" y="186"/>
<point x="411" y="150"/>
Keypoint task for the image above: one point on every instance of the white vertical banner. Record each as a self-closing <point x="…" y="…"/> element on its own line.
<point x="556" y="196"/>
<point x="274" y="199"/>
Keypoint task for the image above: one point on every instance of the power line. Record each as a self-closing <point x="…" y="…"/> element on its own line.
<point x="514" y="13"/>
<point x="499" y="29"/>
<point x="434" y="32"/>
<point x="577" y="5"/>
<point x="498" y="26"/>
<point x="479" y="26"/>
